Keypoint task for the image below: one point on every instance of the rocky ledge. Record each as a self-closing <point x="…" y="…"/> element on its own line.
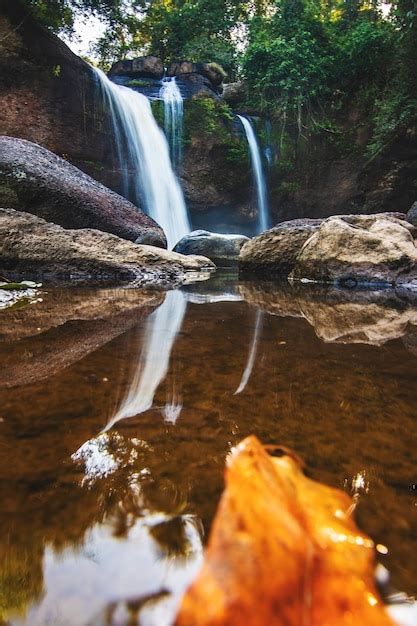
<point x="38" y="181"/>
<point x="144" y="74"/>
<point x="32" y="246"/>
<point x="346" y="250"/>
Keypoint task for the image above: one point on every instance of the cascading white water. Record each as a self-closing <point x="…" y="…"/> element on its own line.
<point x="173" y="118"/>
<point x="161" y="330"/>
<point x="258" y="172"/>
<point x="142" y="149"/>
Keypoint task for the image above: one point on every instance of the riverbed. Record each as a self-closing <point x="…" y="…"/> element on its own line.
<point x="118" y="409"/>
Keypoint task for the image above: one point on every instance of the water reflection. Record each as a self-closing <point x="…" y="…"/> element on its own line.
<point x="76" y="581"/>
<point x="95" y="522"/>
<point x="252" y="353"/>
<point x="160" y="332"/>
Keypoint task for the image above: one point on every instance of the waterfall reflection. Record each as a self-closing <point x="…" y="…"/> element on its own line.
<point x="252" y="353"/>
<point x="161" y="330"/>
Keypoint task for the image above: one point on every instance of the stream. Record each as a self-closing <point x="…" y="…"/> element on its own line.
<point x="118" y="409"/>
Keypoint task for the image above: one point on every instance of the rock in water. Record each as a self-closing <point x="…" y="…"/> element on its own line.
<point x="283" y="551"/>
<point x="36" y="180"/>
<point x="275" y="250"/>
<point x="223" y="250"/>
<point x="354" y="249"/>
<point x="32" y="246"/>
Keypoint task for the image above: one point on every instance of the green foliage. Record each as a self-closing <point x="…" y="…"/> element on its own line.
<point x="139" y="82"/>
<point x="158" y="112"/>
<point x="59" y="15"/>
<point x="206" y="117"/>
<point x="393" y="112"/>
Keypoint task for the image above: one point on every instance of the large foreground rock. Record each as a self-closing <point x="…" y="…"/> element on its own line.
<point x="29" y="244"/>
<point x="36" y="180"/>
<point x="275" y="250"/>
<point x="354" y="249"/>
<point x="223" y="250"/>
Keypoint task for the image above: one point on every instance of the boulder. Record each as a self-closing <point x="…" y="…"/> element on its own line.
<point x="141" y="67"/>
<point x="234" y="93"/>
<point x="275" y="251"/>
<point x="212" y="71"/>
<point x="412" y="214"/>
<point x="196" y="86"/>
<point x="29" y="244"/>
<point x="223" y="250"/>
<point x="36" y="180"/>
<point x="354" y="249"/>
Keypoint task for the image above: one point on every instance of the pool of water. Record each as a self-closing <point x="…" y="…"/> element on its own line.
<point x="118" y="408"/>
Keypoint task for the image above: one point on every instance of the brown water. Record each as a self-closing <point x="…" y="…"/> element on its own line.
<point x="106" y="526"/>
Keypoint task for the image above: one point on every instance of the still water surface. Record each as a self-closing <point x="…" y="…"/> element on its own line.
<point x="118" y="408"/>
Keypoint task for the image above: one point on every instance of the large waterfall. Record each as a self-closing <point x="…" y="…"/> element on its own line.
<point x="259" y="176"/>
<point x="143" y="154"/>
<point x="173" y="118"/>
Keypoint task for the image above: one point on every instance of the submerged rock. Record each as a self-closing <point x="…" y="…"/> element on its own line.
<point x="354" y="249"/>
<point x="223" y="250"/>
<point x="275" y="250"/>
<point x="36" y="180"/>
<point x="30" y="244"/>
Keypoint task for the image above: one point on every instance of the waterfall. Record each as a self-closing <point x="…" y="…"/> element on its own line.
<point x="161" y="330"/>
<point x="256" y="160"/>
<point x="142" y="149"/>
<point x="173" y="118"/>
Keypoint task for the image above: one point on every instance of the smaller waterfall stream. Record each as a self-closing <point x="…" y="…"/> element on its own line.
<point x="173" y="118"/>
<point x="143" y="155"/>
<point x="256" y="160"/>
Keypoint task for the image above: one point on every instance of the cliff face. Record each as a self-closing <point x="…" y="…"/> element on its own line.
<point x="330" y="177"/>
<point x="47" y="92"/>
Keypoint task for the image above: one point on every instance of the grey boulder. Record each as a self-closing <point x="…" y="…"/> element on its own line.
<point x="275" y="250"/>
<point x="223" y="250"/>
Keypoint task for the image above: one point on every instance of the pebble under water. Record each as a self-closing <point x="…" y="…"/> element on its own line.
<point x="105" y="509"/>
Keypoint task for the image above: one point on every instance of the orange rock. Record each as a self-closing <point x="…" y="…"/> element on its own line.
<point x="283" y="551"/>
